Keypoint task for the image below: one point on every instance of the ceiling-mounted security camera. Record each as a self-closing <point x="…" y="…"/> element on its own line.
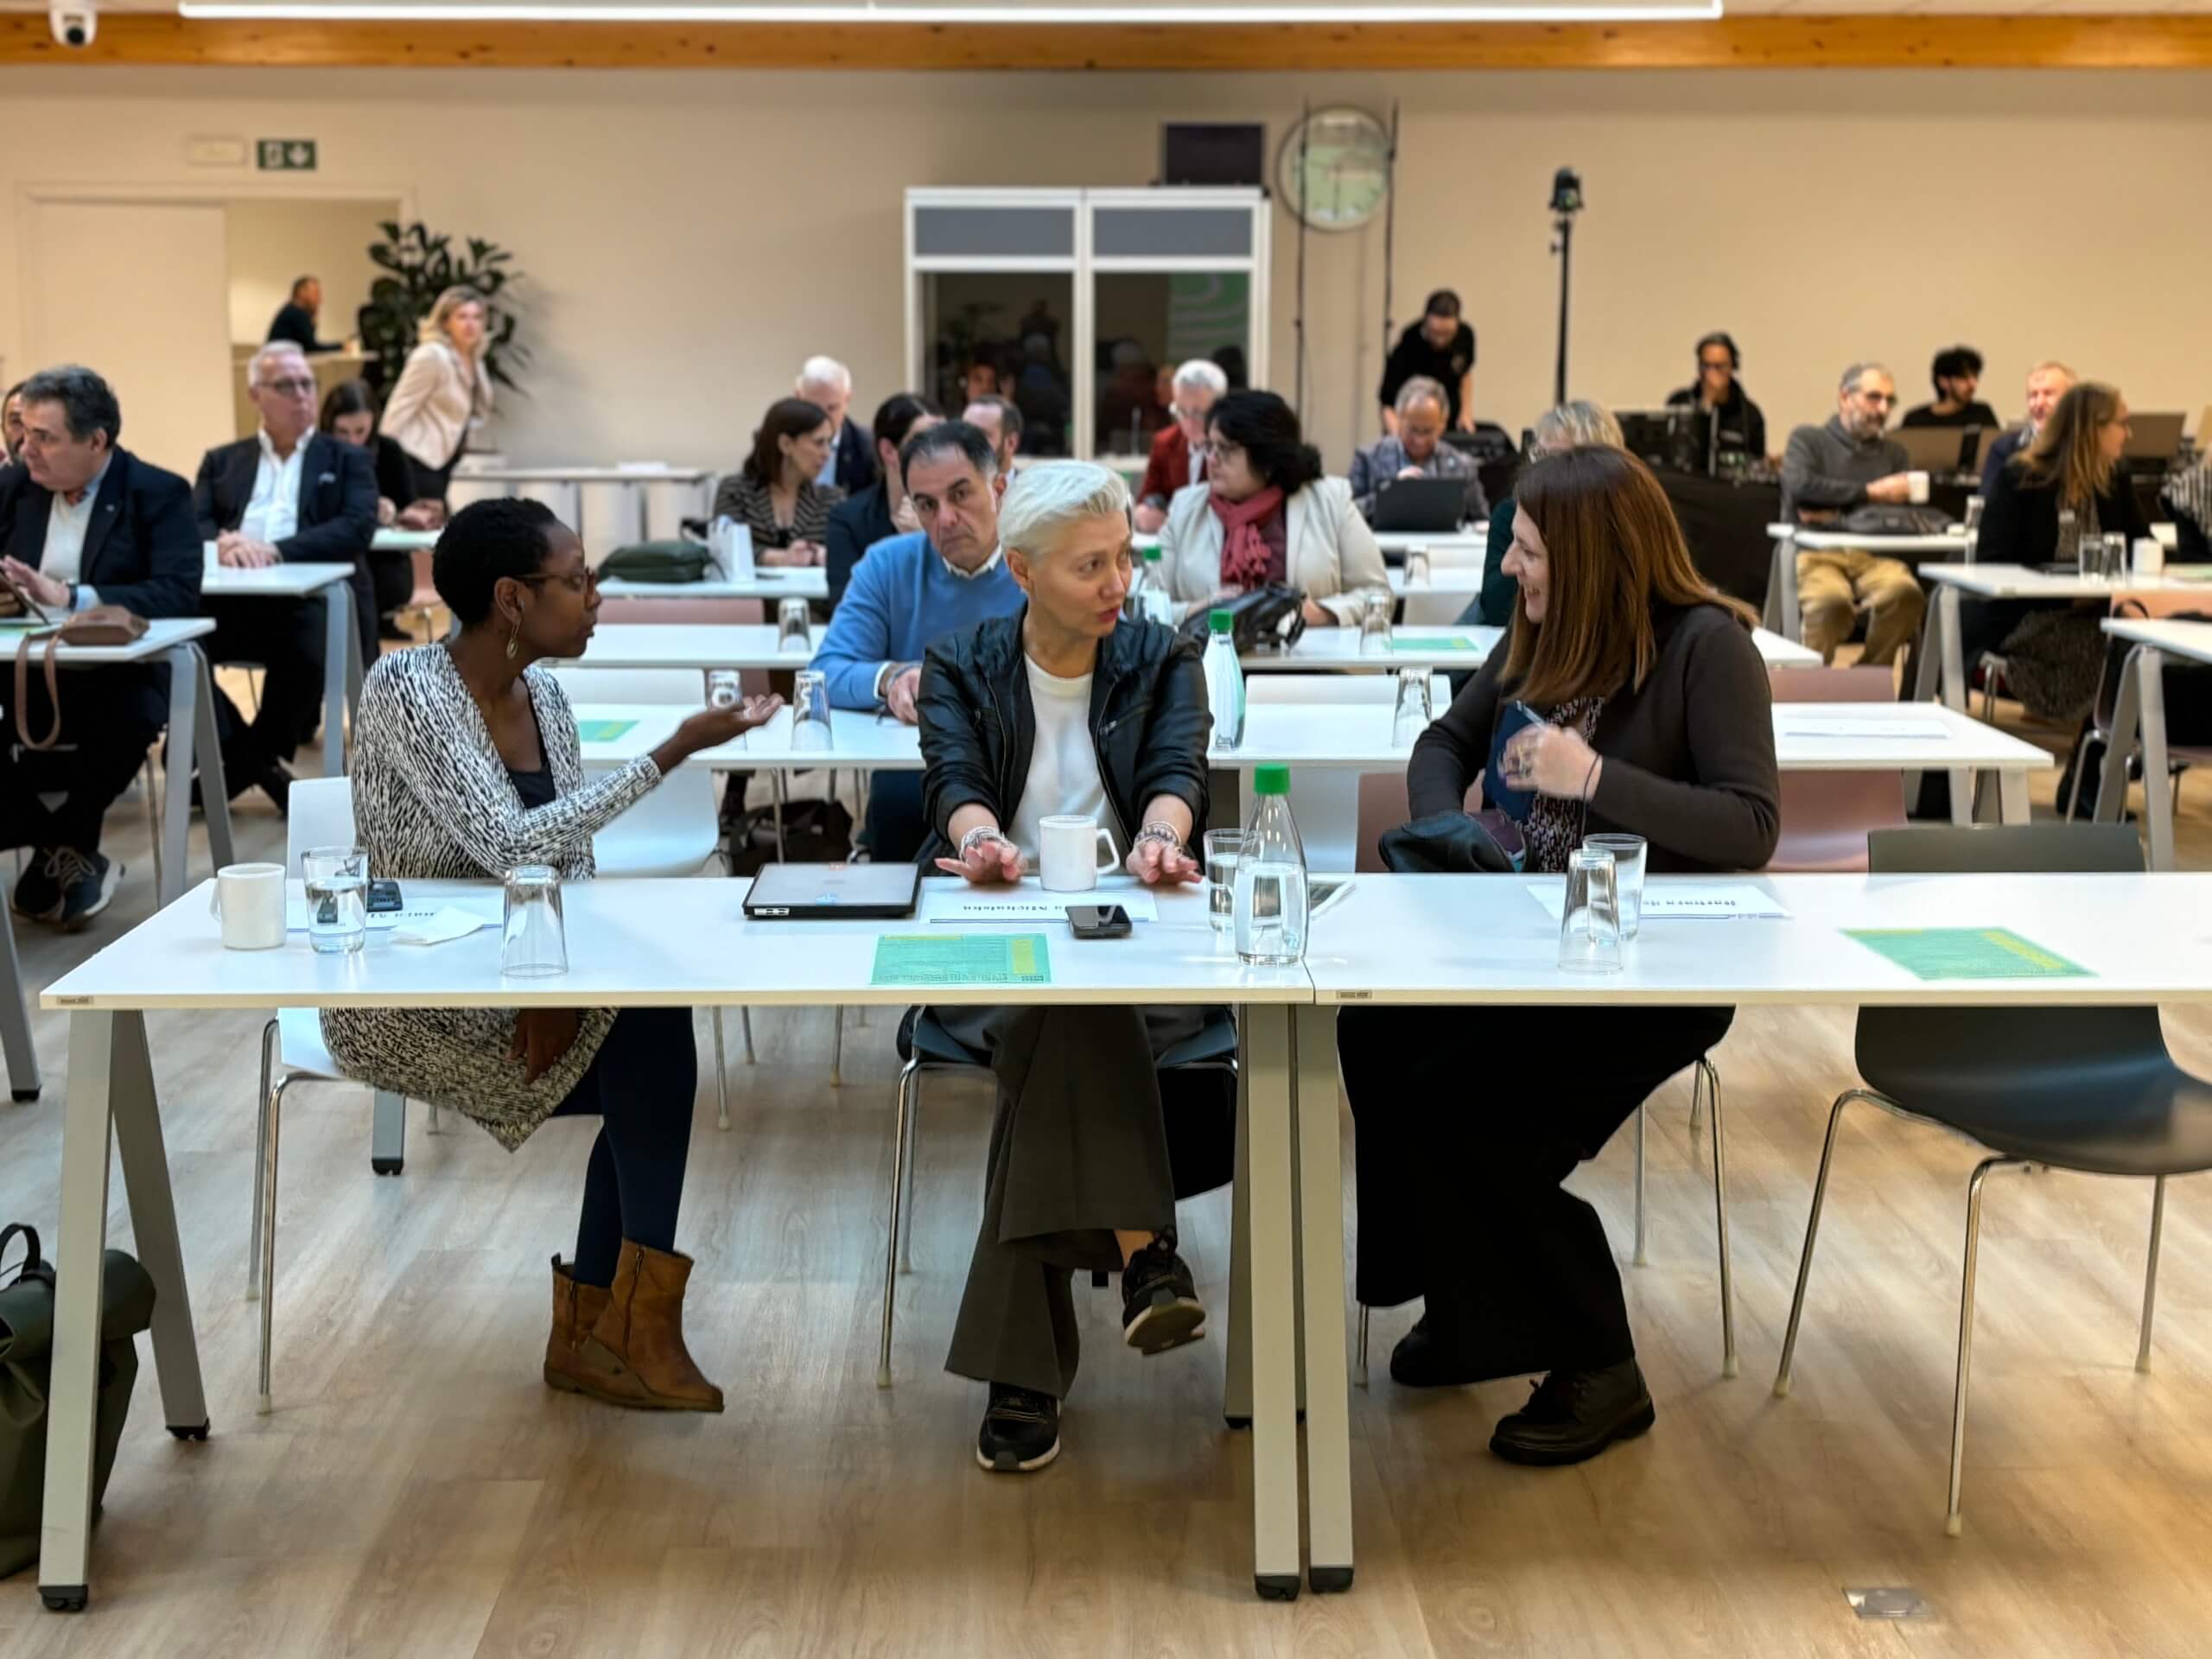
<point x="74" y="26"/>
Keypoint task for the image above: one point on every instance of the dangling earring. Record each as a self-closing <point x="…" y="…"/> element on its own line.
<point x="514" y="640"/>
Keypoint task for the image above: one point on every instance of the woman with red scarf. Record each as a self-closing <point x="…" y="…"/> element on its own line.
<point x="1266" y="514"/>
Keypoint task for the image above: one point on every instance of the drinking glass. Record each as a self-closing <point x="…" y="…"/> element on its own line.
<point x="2115" y="559"/>
<point x="337" y="883"/>
<point x="793" y="625"/>
<point x="1589" y="925"/>
<point x="724" y="688"/>
<point x="1417" y="568"/>
<point x="1224" y="849"/>
<point x="1630" y="855"/>
<point x="1374" y="623"/>
<point x="533" y="944"/>
<point x="810" y="710"/>
<point x="1414" y="708"/>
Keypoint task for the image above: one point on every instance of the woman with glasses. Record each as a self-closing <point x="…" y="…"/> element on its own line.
<point x="467" y="764"/>
<point x="774" y="493"/>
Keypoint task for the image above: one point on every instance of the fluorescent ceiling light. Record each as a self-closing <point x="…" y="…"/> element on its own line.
<point x="927" y="11"/>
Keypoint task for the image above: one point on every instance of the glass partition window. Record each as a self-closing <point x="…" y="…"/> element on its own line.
<point x="1145" y="322"/>
<point x="1008" y="333"/>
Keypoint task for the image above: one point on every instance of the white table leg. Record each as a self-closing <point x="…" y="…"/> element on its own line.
<point x="2127" y="731"/>
<point x="1954" y="692"/>
<point x="216" y="793"/>
<point x="2012" y="795"/>
<point x="388" y="1134"/>
<point x="1782" y="592"/>
<point x="193" y="741"/>
<point x="15" y="1019"/>
<point x="1275" y="1353"/>
<point x="136" y="1110"/>
<point x="1236" y="1371"/>
<point x="2158" y="782"/>
<point x="1321" y="1257"/>
<point x="341" y="650"/>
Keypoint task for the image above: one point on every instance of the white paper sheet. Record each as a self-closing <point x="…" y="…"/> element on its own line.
<point x="1843" y="726"/>
<point x="295" y="916"/>
<point x="1034" y="905"/>
<point x="1665" y="901"/>
<point x="439" y="928"/>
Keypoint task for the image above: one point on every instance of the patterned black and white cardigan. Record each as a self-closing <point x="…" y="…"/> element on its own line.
<point x="432" y="801"/>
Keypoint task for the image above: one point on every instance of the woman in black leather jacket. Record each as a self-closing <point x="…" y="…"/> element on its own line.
<point x="1065" y="707"/>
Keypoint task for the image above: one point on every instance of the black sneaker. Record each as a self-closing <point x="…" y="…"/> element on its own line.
<point x="1020" y="1431"/>
<point x="87" y="880"/>
<point x="1159" y="1303"/>
<point x="1431" y="1356"/>
<point x="38" y="896"/>
<point x="1574" y="1415"/>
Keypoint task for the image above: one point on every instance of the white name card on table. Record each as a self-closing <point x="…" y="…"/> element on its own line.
<point x="1665" y="901"/>
<point x="440" y="927"/>
<point x="1844" y="726"/>
<point x="295" y="916"/>
<point x="1037" y="906"/>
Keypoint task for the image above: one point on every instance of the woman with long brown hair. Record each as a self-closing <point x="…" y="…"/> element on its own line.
<point x="1654" y="721"/>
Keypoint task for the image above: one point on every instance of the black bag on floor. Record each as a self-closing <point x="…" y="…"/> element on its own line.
<point x="26" y="1370"/>
<point x="815" y="832"/>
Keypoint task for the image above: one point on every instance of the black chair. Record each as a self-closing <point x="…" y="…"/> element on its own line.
<point x="2092" y="1090"/>
<point x="927" y="1046"/>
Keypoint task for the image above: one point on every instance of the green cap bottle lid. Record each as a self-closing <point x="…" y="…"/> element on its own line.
<point x="1271" y="780"/>
<point x="1220" y="622"/>
<point x="1152" y="555"/>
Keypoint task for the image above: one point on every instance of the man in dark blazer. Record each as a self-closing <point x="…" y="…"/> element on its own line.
<point x="828" y="383"/>
<point x="287" y="495"/>
<point x="84" y="522"/>
<point x="859" y="522"/>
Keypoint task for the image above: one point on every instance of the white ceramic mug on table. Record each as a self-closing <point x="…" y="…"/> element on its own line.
<point x="250" y="899"/>
<point x="1073" y="852"/>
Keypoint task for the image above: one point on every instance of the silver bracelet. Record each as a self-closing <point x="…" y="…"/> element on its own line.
<point x="1162" y="831"/>
<point x="977" y="837"/>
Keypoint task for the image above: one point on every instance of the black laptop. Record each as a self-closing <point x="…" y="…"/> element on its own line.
<point x="832" y="893"/>
<point x="1422" y="505"/>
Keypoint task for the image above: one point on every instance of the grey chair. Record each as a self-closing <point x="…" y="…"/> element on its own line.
<point x="2088" y="1089"/>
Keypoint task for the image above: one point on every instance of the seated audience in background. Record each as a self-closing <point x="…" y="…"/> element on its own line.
<point x="1568" y="427"/>
<point x="981" y="380"/>
<point x="1416" y="450"/>
<point x="296" y="318"/>
<point x="881" y="511"/>
<point x="1957" y="375"/>
<point x="1438" y="347"/>
<point x="12" y="425"/>
<point x="910" y="592"/>
<point x="1742" y="426"/>
<point x="1131" y="409"/>
<point x="1827" y="471"/>
<point x="1063" y="707"/>
<point x="1267" y="514"/>
<point x="1000" y="421"/>
<point x="84" y="522"/>
<point x="1179" y="453"/>
<point x="465" y="765"/>
<point x="2047" y="384"/>
<point x="852" y="466"/>
<point x="2187" y="496"/>
<point x="1655" y="723"/>
<point x="349" y="415"/>
<point x="288" y="495"/>
<point x="774" y="492"/>
<point x="444" y="392"/>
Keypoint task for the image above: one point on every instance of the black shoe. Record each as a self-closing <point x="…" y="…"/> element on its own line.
<point x="1574" y="1415"/>
<point x="1020" y="1431"/>
<point x="274" y="780"/>
<point x="87" y="880"/>
<point x="1430" y="1357"/>
<point x="38" y="895"/>
<point x="1159" y="1303"/>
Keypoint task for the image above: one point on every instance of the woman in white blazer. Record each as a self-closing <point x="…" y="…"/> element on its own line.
<point x="1264" y="514"/>
<point x="444" y="391"/>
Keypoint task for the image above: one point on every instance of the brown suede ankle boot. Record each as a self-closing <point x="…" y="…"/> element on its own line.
<point x="640" y="1331"/>
<point x="576" y="1308"/>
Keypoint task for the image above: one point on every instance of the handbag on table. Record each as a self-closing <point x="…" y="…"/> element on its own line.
<point x="101" y="624"/>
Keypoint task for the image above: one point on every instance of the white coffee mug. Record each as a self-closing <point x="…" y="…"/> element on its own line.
<point x="1072" y="853"/>
<point x="1916" y="485"/>
<point x="250" y="899"/>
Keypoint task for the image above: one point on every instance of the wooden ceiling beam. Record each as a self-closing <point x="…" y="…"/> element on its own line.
<point x="2149" y="41"/>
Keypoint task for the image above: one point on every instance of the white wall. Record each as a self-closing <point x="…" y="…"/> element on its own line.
<point x="691" y="236"/>
<point x="271" y="242"/>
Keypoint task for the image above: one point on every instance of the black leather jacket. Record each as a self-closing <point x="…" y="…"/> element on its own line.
<point x="1148" y="722"/>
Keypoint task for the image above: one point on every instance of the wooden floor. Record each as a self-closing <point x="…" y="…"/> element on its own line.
<point x="418" y="1492"/>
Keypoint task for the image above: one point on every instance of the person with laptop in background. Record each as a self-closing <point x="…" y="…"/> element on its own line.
<point x="1956" y="373"/>
<point x="2048" y="382"/>
<point x="1740" y="426"/>
<point x="1827" y="471"/>
<point x="1417" y="449"/>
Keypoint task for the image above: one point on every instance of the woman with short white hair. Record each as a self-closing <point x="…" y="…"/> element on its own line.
<point x="1067" y="708"/>
<point x="444" y="392"/>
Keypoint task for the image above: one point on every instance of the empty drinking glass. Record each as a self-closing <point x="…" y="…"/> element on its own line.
<point x="1375" y="622"/>
<point x="533" y="944"/>
<point x="793" y="625"/>
<point x="2115" y="559"/>
<point x="810" y="710"/>
<point x="1224" y="848"/>
<point x="1628" y="858"/>
<point x="1417" y="568"/>
<point x="1589" y="926"/>
<point x="724" y="688"/>
<point x="1416" y="709"/>
<point x="337" y="883"/>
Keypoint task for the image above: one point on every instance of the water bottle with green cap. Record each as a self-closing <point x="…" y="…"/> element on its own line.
<point x="1224" y="682"/>
<point x="1271" y="875"/>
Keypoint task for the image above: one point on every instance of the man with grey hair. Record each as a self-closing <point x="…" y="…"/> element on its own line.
<point x="852" y="466"/>
<point x="1179" y="453"/>
<point x="287" y="495"/>
<point x="1417" y="449"/>
<point x="84" y="522"/>
<point x="1827" y="471"/>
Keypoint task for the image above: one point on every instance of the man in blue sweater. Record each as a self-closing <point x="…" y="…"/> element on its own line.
<point x="909" y="591"/>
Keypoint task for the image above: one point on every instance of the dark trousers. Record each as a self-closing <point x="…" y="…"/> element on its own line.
<point x="1078" y="1150"/>
<point x="640" y="1085"/>
<point x="894" y="827"/>
<point x="1468" y="1120"/>
<point x="287" y="638"/>
<point x="58" y="797"/>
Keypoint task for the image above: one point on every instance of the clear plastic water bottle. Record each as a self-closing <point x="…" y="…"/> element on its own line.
<point x="1159" y="605"/>
<point x="1270" y="904"/>
<point x="1224" y="682"/>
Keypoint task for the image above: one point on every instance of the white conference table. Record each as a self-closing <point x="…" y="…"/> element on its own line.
<point x="341" y="640"/>
<point x="768" y="582"/>
<point x="647" y="942"/>
<point x="193" y="741"/>
<point x="2139" y="714"/>
<point x="1944" y="673"/>
<point x="1475" y="536"/>
<point x="608" y="506"/>
<point x="1789" y="540"/>
<point x="700" y="646"/>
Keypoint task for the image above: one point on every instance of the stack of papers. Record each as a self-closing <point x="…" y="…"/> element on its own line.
<point x="1034" y="905"/>
<point x="1845" y="726"/>
<point x="1680" y="900"/>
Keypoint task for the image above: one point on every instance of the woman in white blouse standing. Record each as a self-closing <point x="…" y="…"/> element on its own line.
<point x="444" y="391"/>
<point x="1266" y="514"/>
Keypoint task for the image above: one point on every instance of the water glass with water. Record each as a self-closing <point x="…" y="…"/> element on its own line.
<point x="1630" y="855"/>
<point x="1416" y="709"/>
<point x="725" y="689"/>
<point x="337" y="883"/>
<point x="1589" y="925"/>
<point x="533" y="943"/>
<point x="810" y="710"/>
<point x="1375" y="622"/>
<point x="793" y="627"/>
<point x="1224" y="848"/>
<point x="2115" y="556"/>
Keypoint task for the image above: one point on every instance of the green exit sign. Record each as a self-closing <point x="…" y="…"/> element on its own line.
<point x="286" y="155"/>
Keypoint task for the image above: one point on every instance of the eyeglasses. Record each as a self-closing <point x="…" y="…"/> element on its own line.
<point x="1708" y="363"/>
<point x="290" y="388"/>
<point x="576" y="582"/>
